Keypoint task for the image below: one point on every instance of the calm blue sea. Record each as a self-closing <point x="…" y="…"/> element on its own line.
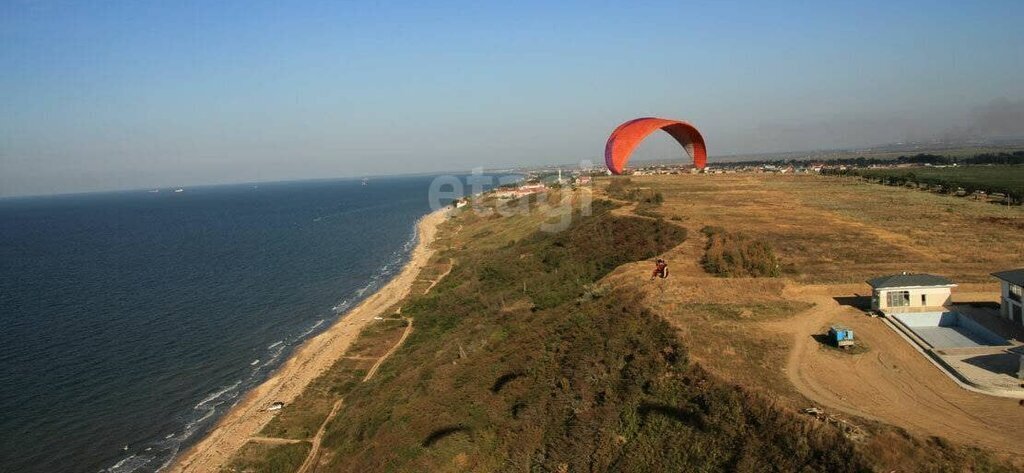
<point x="135" y="318"/>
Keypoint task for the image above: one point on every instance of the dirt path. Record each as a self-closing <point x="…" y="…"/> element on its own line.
<point x="684" y="259"/>
<point x="447" y="271"/>
<point x="892" y="382"/>
<point x="380" y="361"/>
<point x="314" y="452"/>
<point x="310" y="360"/>
<point x="275" y="440"/>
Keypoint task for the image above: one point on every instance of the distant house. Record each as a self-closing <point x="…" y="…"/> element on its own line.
<point x="528" y="189"/>
<point x="519" y="192"/>
<point x="907" y="292"/>
<point x="1011" y="302"/>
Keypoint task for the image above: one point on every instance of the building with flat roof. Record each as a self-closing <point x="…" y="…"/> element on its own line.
<point x="906" y="292"/>
<point x="1011" y="300"/>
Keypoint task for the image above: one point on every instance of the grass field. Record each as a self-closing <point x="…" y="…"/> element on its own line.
<point x="1007" y="176"/>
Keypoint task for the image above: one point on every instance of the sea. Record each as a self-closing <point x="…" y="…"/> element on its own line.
<point x="130" y="321"/>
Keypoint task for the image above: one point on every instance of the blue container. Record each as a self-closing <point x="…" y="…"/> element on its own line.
<point x="840" y="336"/>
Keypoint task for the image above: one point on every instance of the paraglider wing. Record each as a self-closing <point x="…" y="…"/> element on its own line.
<point x="628" y="135"/>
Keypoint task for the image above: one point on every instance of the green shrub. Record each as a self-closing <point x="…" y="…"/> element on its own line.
<point x="263" y="458"/>
<point x="736" y="255"/>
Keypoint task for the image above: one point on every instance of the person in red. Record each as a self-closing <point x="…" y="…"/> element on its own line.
<point x="660" y="269"/>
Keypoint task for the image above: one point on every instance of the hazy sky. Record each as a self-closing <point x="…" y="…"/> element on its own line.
<point x="128" y="94"/>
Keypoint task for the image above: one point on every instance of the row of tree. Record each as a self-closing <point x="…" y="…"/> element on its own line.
<point x="1014" y="193"/>
<point x="1015" y="157"/>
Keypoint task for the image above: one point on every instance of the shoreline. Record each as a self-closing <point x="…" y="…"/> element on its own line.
<point x="247" y="417"/>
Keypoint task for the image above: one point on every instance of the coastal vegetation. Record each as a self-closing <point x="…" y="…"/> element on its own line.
<point x="270" y="458"/>
<point x="518" y="363"/>
<point x="621" y="188"/>
<point x="555" y="351"/>
<point x="731" y="254"/>
<point x="647" y="200"/>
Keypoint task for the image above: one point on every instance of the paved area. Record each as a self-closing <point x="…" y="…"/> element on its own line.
<point x="994" y="371"/>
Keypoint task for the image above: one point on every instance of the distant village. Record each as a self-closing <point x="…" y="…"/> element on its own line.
<point x="536" y="180"/>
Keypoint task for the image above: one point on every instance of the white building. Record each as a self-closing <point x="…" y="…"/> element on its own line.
<point x="907" y="292"/>
<point x="1011" y="300"/>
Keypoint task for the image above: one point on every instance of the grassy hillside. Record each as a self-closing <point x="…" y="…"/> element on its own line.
<point x="520" y="363"/>
<point x="556" y="352"/>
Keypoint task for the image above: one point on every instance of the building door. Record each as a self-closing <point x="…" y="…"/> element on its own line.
<point x="924" y="299"/>
<point x="1015" y="314"/>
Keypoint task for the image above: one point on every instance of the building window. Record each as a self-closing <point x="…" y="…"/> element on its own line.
<point x="898" y="298"/>
<point x="924" y="299"/>
<point x="1016" y="292"/>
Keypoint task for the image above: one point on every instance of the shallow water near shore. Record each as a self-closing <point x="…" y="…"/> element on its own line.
<point x="135" y="319"/>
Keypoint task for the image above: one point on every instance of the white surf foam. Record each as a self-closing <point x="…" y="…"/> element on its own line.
<point x="166" y="449"/>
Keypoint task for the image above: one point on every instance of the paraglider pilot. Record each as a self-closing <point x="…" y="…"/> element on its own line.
<point x="660" y="269"/>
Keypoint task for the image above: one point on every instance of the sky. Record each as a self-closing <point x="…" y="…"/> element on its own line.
<point x="99" y="95"/>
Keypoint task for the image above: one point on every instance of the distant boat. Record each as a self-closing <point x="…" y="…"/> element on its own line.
<point x="365" y="180"/>
<point x="179" y="190"/>
<point x="154" y="191"/>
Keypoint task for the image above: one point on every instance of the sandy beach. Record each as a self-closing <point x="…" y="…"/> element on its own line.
<point x="249" y="416"/>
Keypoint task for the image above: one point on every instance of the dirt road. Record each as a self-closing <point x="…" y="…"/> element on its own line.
<point x="892" y="382"/>
<point x="314" y="452"/>
<point x="393" y="349"/>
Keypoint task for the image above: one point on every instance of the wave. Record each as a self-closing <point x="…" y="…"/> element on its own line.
<point x="168" y="447"/>
<point x="156" y="455"/>
<point x="388" y="270"/>
<point x="215" y="395"/>
<point x="311" y="329"/>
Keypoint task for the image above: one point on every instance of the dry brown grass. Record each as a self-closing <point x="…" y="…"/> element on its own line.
<point x="828" y="232"/>
<point x="823" y="230"/>
<point x="835" y="230"/>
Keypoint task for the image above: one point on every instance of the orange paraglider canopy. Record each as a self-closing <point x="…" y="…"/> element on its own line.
<point x="628" y="135"/>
